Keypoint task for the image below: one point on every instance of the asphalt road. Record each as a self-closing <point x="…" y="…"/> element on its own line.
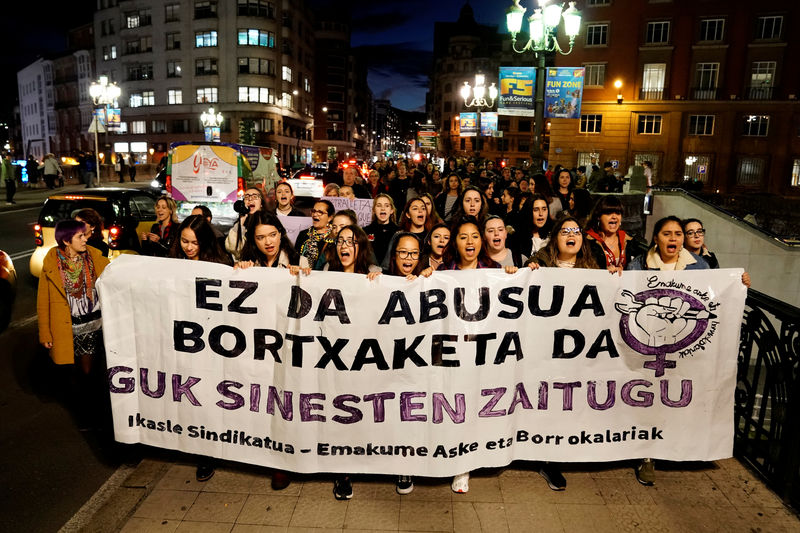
<point x="49" y="467"/>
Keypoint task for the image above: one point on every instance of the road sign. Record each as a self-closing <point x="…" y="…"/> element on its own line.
<point x="96" y="126"/>
<point x="615" y="163"/>
<point x="701" y="169"/>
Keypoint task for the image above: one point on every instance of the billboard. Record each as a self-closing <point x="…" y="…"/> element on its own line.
<point x="427" y="140"/>
<point x="517" y="90"/>
<point x="563" y="92"/>
<point x="488" y="124"/>
<point x="468" y="124"/>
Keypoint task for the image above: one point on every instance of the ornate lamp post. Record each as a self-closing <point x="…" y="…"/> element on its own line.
<point x="542" y="39"/>
<point x="105" y="94"/>
<point x="211" y="121"/>
<point x="478" y="93"/>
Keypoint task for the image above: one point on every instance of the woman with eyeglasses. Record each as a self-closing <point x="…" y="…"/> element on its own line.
<point x="566" y="249"/>
<point x="695" y="241"/>
<point x="254" y="201"/>
<point x="466" y="252"/>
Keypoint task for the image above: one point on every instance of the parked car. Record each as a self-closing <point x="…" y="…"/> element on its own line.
<point x="126" y="213"/>
<point x="8" y="289"/>
<point x="307" y="182"/>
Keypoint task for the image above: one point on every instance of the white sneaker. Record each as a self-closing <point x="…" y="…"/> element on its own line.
<point x="460" y="483"/>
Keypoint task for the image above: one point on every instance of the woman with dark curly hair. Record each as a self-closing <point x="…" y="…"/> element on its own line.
<point x="196" y="241"/>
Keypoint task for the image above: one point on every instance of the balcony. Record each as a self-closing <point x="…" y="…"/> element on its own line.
<point x="759" y="92"/>
<point x="704" y="93"/>
<point x="651" y="94"/>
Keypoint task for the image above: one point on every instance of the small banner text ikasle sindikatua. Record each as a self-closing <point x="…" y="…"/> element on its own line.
<point x="437" y="376"/>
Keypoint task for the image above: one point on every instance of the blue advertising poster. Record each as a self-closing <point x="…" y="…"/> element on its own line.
<point x="488" y="124"/>
<point x="468" y="124"/>
<point x="563" y="92"/>
<point x="517" y="90"/>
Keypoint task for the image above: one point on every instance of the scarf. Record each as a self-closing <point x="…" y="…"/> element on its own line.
<point x="311" y="248"/>
<point x="611" y="259"/>
<point x="78" y="277"/>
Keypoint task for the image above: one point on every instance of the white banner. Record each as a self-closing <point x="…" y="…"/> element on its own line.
<point x="437" y="376"/>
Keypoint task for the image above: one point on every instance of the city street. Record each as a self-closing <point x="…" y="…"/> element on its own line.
<point x="50" y="468"/>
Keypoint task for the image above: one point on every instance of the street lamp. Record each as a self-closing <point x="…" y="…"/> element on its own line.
<point x="478" y="94"/>
<point x="105" y="94"/>
<point x="211" y="122"/>
<point x="543" y="25"/>
<point x="618" y="86"/>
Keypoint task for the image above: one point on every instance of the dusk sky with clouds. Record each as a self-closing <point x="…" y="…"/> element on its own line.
<point x="395" y="37"/>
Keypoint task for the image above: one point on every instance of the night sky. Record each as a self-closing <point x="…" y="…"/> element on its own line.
<point x="395" y="37"/>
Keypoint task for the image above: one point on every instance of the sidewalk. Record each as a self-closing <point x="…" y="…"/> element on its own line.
<point x="27" y="197"/>
<point x="688" y="497"/>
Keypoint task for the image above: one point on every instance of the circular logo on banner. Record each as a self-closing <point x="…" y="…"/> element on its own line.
<point x="661" y="322"/>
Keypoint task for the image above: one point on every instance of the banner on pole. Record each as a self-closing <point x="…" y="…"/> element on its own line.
<point x="488" y="124"/>
<point x="563" y="92"/>
<point x="517" y="91"/>
<point x="468" y="124"/>
<point x="437" y="376"/>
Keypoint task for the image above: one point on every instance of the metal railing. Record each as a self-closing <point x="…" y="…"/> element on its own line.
<point x="651" y="94"/>
<point x="767" y="400"/>
<point x="704" y="93"/>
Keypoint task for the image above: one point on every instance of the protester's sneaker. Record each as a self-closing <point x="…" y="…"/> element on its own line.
<point x="342" y="488"/>
<point x="404" y="485"/>
<point x="204" y="472"/>
<point x="646" y="472"/>
<point x="553" y="476"/>
<point x="460" y="483"/>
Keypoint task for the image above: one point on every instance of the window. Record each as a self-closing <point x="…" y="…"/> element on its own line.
<point x="256" y="94"/>
<point x="181" y="126"/>
<point x="286" y="74"/>
<point x="113" y="52"/>
<point x="701" y="124"/>
<point x="254" y="65"/>
<point x="769" y="28"/>
<point x="135" y="19"/>
<point x="448" y="107"/>
<point x="204" y="9"/>
<point x="524" y="125"/>
<point x="173" y="69"/>
<point x="286" y="47"/>
<point x="463" y="143"/>
<point x="597" y="34"/>
<point x="756" y="125"/>
<point x="262" y="125"/>
<point x="205" y="38"/>
<point x="256" y="38"/>
<point x="148" y="98"/>
<point x="256" y="8"/>
<point x="174" y="96"/>
<point x="135" y="100"/>
<point x="287" y="101"/>
<point x="595" y="74"/>
<point x="334" y="96"/>
<point x="143" y="44"/>
<point x="172" y="12"/>
<point x="750" y="171"/>
<point x="174" y="41"/>
<point x="795" y="173"/>
<point x="138" y="127"/>
<point x="587" y="159"/>
<point x="205" y="67"/>
<point x="649" y="125"/>
<point x="657" y="32"/>
<point x="140" y="72"/>
<point x="598" y="2"/>
<point x="306" y="84"/>
<point x="591" y="123"/>
<point x="712" y="30"/>
<point x="706" y="76"/>
<point x="206" y="95"/>
<point x="761" y="80"/>
<point x="653" y="75"/>
<point x="158" y="126"/>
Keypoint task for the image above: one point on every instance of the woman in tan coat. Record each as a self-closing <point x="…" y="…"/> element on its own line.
<point x="67" y="304"/>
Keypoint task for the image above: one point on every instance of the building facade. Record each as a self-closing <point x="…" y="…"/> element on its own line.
<point x="708" y="92"/>
<point x="37" y="108"/>
<point x="252" y="60"/>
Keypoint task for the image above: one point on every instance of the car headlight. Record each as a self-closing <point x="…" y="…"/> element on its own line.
<point x="155" y="184"/>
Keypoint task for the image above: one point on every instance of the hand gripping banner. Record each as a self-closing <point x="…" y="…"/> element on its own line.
<point x="438" y="376"/>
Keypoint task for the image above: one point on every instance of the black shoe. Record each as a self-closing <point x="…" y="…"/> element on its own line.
<point x="553" y="476"/>
<point x="404" y="485"/>
<point x="342" y="488"/>
<point x="204" y="472"/>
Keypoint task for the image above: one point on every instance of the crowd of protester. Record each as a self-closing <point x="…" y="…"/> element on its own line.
<point x="424" y="220"/>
